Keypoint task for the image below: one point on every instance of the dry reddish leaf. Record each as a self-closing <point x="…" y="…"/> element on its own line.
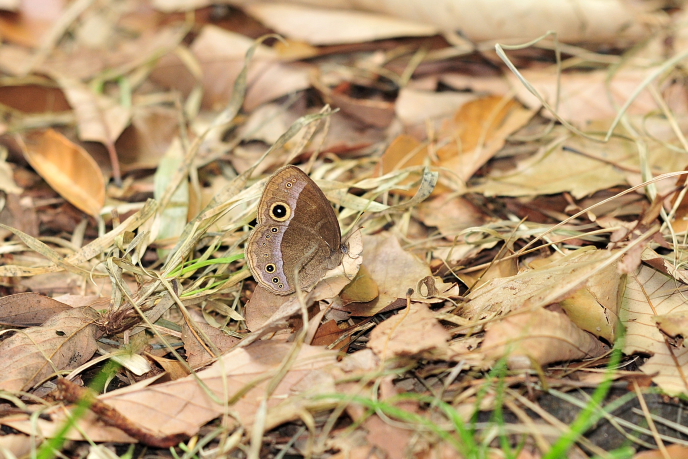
<point x="34" y="98"/>
<point x="55" y="417"/>
<point x="539" y="336"/>
<point x="67" y="168"/>
<point x="329" y="333"/>
<point x="99" y="117"/>
<point x="33" y="21"/>
<point x="377" y="113"/>
<point x="64" y="342"/>
<point x="450" y="214"/>
<point x="412" y="332"/>
<point x="183" y="406"/>
<point x="28" y="309"/>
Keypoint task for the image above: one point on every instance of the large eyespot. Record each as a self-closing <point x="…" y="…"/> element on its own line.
<point x="280" y="211"/>
<point x="275" y="280"/>
<point x="270" y="268"/>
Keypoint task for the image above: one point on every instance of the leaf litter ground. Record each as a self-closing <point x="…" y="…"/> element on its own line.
<point x="512" y="286"/>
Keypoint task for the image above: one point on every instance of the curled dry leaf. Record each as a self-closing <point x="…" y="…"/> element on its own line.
<point x="413" y="331"/>
<point x="557" y="281"/>
<point x="540" y="336"/>
<point x="28" y="309"/>
<point x="64" y="342"/>
<point x="67" y="168"/>
<point x="394" y="271"/>
<point x="650" y="293"/>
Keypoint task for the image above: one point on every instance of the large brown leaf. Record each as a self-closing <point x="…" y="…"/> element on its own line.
<point x="64" y="342"/>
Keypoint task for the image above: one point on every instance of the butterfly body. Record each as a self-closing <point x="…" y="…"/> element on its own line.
<point x="297" y="236"/>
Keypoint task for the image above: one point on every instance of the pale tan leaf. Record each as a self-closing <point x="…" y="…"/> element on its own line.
<point x="64" y="342"/>
<point x="19" y="445"/>
<point x="412" y="332"/>
<point x="99" y="117"/>
<point x="585" y="20"/>
<point x="539" y="336"/>
<point x="55" y="417"/>
<point x="414" y="106"/>
<point x="7" y="183"/>
<point x="221" y="55"/>
<point x="28" y="309"/>
<point x="586" y="96"/>
<point x="67" y="168"/>
<point x="648" y="294"/>
<point x="183" y="405"/>
<point x="330" y="26"/>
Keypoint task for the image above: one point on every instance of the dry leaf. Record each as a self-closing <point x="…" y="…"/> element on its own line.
<point x="64" y="342"/>
<point x="411" y="332"/>
<point x="539" y="336"/>
<point x="649" y="293"/>
<point x="549" y="284"/>
<point x="183" y="405"/>
<point x="67" y="168"/>
<point x="394" y="270"/>
<point x="479" y="130"/>
<point x="99" y="117"/>
<point x="585" y="96"/>
<point x="197" y="355"/>
<point x="28" y="309"/>
<point x="326" y="26"/>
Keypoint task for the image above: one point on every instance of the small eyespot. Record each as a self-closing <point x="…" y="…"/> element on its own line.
<point x="275" y="280"/>
<point x="288" y="184"/>
<point x="265" y="255"/>
<point x="267" y="236"/>
<point x="274" y="229"/>
<point x="281" y="286"/>
<point x="270" y="268"/>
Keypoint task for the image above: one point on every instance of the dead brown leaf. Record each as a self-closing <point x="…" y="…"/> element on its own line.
<point x="63" y="342"/>
<point x="539" y="336"/>
<point x="28" y="309"/>
<point x="413" y="331"/>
